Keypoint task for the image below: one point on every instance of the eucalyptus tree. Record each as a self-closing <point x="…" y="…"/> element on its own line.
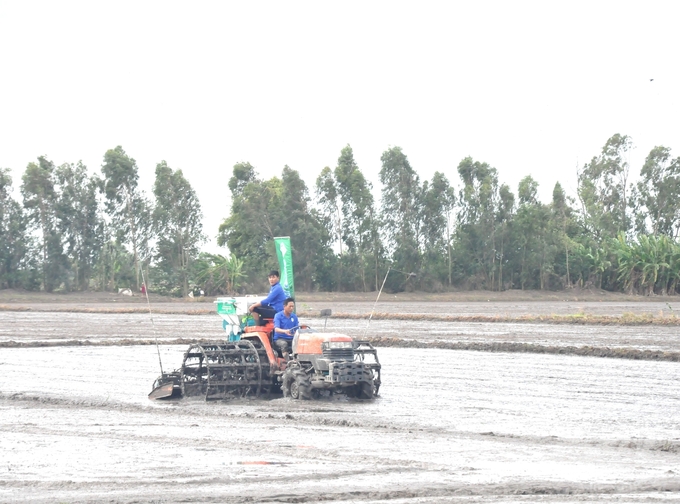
<point x="476" y="230"/>
<point x="249" y="230"/>
<point x="400" y="212"/>
<point x="39" y="196"/>
<point x="264" y="209"/>
<point x="125" y="203"/>
<point x="504" y="217"/>
<point x="329" y="205"/>
<point x="534" y="237"/>
<point x="603" y="189"/>
<point x="330" y="215"/>
<point x="437" y="203"/>
<point x="296" y="218"/>
<point x="657" y="194"/>
<point x="178" y="226"/>
<point x="565" y="227"/>
<point x="347" y="211"/>
<point x="357" y="208"/>
<point x="14" y="239"/>
<point x="79" y="219"/>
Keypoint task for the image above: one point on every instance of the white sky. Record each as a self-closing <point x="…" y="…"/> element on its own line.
<point x="532" y="88"/>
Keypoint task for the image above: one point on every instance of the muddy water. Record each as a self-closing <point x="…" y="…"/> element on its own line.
<point x="97" y="327"/>
<point x="450" y="426"/>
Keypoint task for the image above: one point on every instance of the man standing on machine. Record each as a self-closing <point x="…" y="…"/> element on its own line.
<point x="272" y="304"/>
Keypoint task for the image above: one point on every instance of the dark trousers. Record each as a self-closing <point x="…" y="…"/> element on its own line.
<point x="283" y="345"/>
<point x="265" y="312"/>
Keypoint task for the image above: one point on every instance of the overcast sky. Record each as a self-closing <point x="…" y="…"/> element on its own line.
<point x="532" y="88"/>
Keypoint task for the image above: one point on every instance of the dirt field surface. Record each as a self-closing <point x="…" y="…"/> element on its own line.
<point x="485" y="304"/>
<point x="449" y="426"/>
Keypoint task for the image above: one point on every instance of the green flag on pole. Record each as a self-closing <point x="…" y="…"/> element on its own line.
<point x="285" y="254"/>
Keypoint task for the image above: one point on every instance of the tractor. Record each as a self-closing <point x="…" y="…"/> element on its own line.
<point x="247" y="364"/>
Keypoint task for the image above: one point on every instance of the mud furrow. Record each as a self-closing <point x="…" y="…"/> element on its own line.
<point x="306" y="418"/>
<point x="380" y="341"/>
<point x="199" y="490"/>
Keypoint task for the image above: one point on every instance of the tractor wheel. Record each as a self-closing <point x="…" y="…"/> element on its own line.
<point x="288" y="378"/>
<point x="300" y="387"/>
<point x="365" y="390"/>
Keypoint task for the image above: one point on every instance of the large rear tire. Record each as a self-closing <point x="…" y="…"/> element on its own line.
<point x="288" y="378"/>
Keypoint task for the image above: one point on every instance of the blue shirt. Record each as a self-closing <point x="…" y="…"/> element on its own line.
<point x="275" y="298"/>
<point x="283" y="322"/>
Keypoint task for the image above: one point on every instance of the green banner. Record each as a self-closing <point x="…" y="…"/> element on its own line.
<point x="285" y="254"/>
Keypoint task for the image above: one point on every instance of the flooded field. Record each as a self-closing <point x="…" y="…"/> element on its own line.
<point x="40" y="326"/>
<point x="449" y="426"/>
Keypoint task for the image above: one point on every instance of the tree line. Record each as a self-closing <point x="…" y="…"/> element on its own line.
<point x="73" y="231"/>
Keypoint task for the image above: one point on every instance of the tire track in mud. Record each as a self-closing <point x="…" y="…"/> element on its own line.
<point x="394" y="464"/>
<point x="512" y="347"/>
<point x="498" y="490"/>
<point x="382" y="341"/>
<point x="310" y="416"/>
<point x="212" y="489"/>
<point x="547" y="488"/>
<point x="578" y="318"/>
<point x="626" y="319"/>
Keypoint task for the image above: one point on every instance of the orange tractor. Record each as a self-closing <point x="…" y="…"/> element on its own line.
<point x="246" y="364"/>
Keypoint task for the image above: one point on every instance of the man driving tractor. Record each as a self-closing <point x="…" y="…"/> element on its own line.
<point x="285" y="323"/>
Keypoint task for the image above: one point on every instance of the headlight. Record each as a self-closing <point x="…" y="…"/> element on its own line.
<point x="339" y="344"/>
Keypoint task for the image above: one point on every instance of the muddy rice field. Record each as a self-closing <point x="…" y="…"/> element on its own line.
<point x="468" y="412"/>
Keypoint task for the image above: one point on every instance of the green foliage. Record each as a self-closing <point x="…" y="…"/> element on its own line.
<point x="218" y="274"/>
<point x="115" y="267"/>
<point x="656" y="200"/>
<point x="347" y="213"/>
<point x="504" y="216"/>
<point x="39" y="196"/>
<point x="603" y="190"/>
<point x="76" y="231"/>
<point x="244" y="173"/>
<point x="17" y="270"/>
<point x="250" y="229"/>
<point x="648" y="265"/>
<point x="400" y="222"/>
<point x="128" y="210"/>
<point x="177" y="224"/>
<point x="262" y="210"/>
<point x="475" y="247"/>
<point x="303" y="224"/>
<point x="436" y="221"/>
<point x="533" y="235"/>
<point x="79" y="221"/>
